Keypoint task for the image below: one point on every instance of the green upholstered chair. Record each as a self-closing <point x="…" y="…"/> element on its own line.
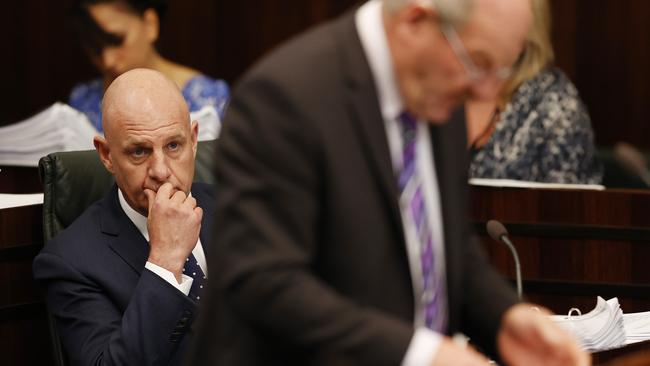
<point x="74" y="180"/>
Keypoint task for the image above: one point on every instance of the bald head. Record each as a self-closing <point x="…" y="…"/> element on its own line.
<point x="138" y="95"/>
<point x="148" y="139"/>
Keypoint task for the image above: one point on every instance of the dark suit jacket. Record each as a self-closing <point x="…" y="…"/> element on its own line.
<point x="109" y="309"/>
<point x="309" y="264"/>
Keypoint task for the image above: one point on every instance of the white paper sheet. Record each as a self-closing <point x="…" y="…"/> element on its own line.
<point x="18" y="200"/>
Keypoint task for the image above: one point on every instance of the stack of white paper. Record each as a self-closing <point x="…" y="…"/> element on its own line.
<point x="637" y="326"/>
<point x="58" y="128"/>
<point x="18" y="200"/>
<point x="63" y="128"/>
<point x="600" y="329"/>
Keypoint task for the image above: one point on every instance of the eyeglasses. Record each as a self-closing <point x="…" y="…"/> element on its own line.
<point x="476" y="74"/>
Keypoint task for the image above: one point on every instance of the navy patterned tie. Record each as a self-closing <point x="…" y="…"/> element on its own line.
<point x="193" y="270"/>
<point x="411" y="192"/>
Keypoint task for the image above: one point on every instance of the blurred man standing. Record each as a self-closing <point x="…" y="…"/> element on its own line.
<point x="341" y="210"/>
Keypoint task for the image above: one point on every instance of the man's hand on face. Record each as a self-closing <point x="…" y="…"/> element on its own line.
<point x="527" y="337"/>
<point x="174" y="223"/>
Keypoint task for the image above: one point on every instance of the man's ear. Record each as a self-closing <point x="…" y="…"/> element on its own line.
<point x="101" y="145"/>
<point x="194" y="131"/>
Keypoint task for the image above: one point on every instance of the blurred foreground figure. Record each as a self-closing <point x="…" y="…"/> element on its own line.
<point x="342" y="233"/>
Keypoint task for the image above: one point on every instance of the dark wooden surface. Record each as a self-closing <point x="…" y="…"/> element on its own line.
<point x="14" y="179"/>
<point x="637" y="354"/>
<point x="573" y="245"/>
<point x="218" y="37"/>
<point x="23" y="323"/>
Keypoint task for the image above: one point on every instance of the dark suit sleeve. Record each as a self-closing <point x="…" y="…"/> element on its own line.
<point x="270" y="197"/>
<point x="479" y="295"/>
<point x="482" y="319"/>
<point x="95" y="331"/>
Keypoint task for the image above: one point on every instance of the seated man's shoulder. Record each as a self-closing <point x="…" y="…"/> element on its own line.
<point x="84" y="235"/>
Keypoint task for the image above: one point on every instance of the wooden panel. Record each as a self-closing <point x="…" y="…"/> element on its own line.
<point x="248" y="29"/>
<point x="220" y="38"/>
<point x="612" y="57"/>
<point x="19" y="180"/>
<point x="25" y="336"/>
<point x="21" y="226"/>
<point x="23" y="323"/>
<point x="573" y="245"/>
<point x="601" y="44"/>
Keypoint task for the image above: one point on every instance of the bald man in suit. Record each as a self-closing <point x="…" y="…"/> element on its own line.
<point x="115" y="278"/>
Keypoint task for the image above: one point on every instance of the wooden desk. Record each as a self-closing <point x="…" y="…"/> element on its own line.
<point x="23" y="323"/>
<point x="639" y="351"/>
<point x="573" y="245"/>
<point x="15" y="179"/>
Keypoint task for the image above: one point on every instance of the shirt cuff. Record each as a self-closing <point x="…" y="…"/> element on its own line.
<point x="423" y="348"/>
<point x="186" y="281"/>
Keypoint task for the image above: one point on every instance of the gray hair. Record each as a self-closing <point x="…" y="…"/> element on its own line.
<point x="455" y="12"/>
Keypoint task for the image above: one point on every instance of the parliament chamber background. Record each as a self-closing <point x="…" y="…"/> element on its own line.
<point x="574" y="245"/>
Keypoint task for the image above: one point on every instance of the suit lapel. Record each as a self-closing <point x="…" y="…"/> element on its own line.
<point x="451" y="171"/>
<point x="124" y="238"/>
<point x="366" y="116"/>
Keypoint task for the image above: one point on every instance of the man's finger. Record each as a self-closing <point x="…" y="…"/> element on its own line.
<point x="178" y="197"/>
<point x="190" y="201"/>
<point x="199" y="212"/>
<point x="165" y="190"/>
<point x="151" y="197"/>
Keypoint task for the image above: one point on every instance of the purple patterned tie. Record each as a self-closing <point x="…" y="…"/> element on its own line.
<point x="193" y="270"/>
<point x="411" y="191"/>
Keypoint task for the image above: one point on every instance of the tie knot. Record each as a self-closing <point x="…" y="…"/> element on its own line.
<point x="407" y="120"/>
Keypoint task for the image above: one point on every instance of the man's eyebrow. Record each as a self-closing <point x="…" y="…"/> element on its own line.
<point x="178" y="136"/>
<point x="135" y="142"/>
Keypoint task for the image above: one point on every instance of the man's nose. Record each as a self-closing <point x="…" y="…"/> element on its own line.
<point x="158" y="167"/>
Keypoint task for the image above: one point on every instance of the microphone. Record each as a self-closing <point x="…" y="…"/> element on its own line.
<point x="498" y="232"/>
<point x="633" y="161"/>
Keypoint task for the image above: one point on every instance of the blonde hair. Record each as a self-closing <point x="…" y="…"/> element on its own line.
<point x="537" y="54"/>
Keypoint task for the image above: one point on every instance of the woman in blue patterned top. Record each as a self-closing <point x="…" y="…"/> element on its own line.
<point x="539" y="130"/>
<point x="120" y="35"/>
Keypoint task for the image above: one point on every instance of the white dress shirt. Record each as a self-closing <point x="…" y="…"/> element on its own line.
<point x="141" y="223"/>
<point x="369" y="23"/>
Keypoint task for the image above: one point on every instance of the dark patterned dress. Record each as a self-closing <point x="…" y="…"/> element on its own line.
<point x="543" y="135"/>
<point x="200" y="91"/>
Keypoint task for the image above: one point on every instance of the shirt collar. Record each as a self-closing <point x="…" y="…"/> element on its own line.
<point x="370" y="26"/>
<point x="137" y="218"/>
